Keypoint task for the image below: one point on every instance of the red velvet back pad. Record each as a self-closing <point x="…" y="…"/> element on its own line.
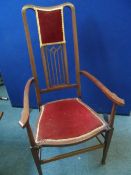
<point x="50" y="26"/>
<point x="66" y="119"/>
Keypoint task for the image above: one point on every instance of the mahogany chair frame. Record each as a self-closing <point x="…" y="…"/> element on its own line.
<point x="24" y="121"/>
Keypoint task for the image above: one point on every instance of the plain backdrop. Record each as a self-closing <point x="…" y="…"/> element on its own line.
<point x="104" y="35"/>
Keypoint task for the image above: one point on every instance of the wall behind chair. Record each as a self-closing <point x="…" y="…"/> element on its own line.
<point x="104" y="35"/>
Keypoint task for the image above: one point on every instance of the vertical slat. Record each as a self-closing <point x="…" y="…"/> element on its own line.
<point x="66" y="63"/>
<point x="52" y="67"/>
<point x="48" y="65"/>
<point x="45" y="66"/>
<point x="59" y="67"/>
<point x="55" y="65"/>
<point x="63" y="66"/>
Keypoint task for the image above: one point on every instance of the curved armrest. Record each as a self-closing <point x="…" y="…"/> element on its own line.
<point x="26" y="111"/>
<point x="112" y="96"/>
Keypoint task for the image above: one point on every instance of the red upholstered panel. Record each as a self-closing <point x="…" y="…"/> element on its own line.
<point x="66" y="119"/>
<point x="50" y="26"/>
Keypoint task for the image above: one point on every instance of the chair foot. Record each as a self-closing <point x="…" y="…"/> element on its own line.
<point x="103" y="162"/>
<point x="1" y="114"/>
<point x="108" y="137"/>
<point x="35" y="154"/>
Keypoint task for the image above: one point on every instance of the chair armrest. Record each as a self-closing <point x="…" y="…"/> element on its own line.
<point x="26" y="110"/>
<point x="112" y="96"/>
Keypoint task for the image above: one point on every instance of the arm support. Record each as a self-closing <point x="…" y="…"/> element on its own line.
<point x="113" y="97"/>
<point x="25" y="113"/>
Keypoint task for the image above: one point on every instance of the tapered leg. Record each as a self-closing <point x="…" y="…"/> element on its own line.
<point x="35" y="154"/>
<point x="108" y="137"/>
<point x="1" y="114"/>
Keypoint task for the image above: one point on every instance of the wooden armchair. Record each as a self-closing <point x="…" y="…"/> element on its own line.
<point x="68" y="121"/>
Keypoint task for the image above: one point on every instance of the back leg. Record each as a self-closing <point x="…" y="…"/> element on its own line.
<point x="108" y="137"/>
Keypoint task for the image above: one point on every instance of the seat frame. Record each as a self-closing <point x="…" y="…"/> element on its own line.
<point x="24" y="121"/>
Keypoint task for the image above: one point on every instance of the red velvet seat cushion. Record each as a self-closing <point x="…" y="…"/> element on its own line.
<point x="67" y="121"/>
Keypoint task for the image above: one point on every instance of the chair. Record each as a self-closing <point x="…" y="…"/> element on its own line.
<point x="64" y="122"/>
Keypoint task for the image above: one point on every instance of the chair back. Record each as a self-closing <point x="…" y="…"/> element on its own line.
<point x="52" y="41"/>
